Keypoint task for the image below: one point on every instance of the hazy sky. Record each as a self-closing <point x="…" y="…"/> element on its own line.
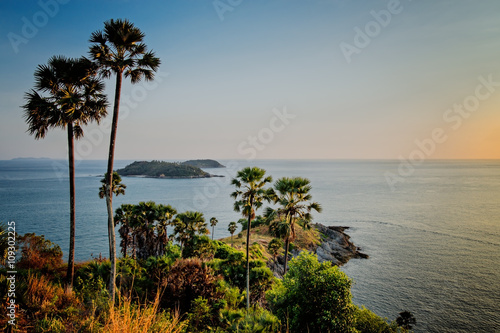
<point x="264" y="79"/>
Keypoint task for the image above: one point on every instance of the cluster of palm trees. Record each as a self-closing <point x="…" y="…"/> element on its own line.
<point x="68" y="94"/>
<point x="290" y="195"/>
<point x="143" y="228"/>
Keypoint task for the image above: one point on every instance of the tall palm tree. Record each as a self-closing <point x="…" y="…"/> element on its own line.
<point x="74" y="98"/>
<point x="293" y="197"/>
<point x="213" y="223"/>
<point x="188" y="224"/>
<point x="119" y="50"/>
<point x="232" y="228"/>
<point x="117" y="188"/>
<point x="249" y="195"/>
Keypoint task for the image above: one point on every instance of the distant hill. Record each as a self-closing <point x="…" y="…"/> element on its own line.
<point x="204" y="164"/>
<point x="30" y="159"/>
<point x="159" y="169"/>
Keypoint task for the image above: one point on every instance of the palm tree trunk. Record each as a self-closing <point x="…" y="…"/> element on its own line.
<point x="109" y="193"/>
<point x="248" y="253"/>
<point x="72" y="225"/>
<point x="213" y="228"/>
<point x="287" y="243"/>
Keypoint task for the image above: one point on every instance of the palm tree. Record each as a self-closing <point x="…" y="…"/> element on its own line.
<point x="281" y="229"/>
<point x="117" y="188"/>
<point x="74" y="98"/>
<point x="406" y="320"/>
<point x="165" y="216"/>
<point x="293" y="197"/>
<point x="187" y="225"/>
<point x="119" y="49"/>
<point x="274" y="247"/>
<point x="250" y="191"/>
<point x="124" y="216"/>
<point x="145" y="217"/>
<point x="213" y="223"/>
<point x="232" y="228"/>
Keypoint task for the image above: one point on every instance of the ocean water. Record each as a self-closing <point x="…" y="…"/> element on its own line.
<point x="433" y="240"/>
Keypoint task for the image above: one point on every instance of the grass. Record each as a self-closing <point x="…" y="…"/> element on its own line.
<point x="146" y="318"/>
<point x="306" y="239"/>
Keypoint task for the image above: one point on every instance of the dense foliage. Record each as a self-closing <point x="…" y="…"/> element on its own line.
<point x="162" y="170"/>
<point x="314" y="297"/>
<point x="202" y="289"/>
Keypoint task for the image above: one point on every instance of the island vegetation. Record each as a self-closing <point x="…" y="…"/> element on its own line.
<point x="208" y="164"/>
<point x="161" y="169"/>
<point x="171" y="277"/>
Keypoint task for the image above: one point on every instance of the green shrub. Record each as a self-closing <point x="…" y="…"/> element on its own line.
<point x="187" y="280"/>
<point x="256" y="251"/>
<point x="200" y="247"/>
<point x="94" y="270"/>
<point x="50" y="325"/>
<point x="92" y="292"/>
<point x="368" y="322"/>
<point x="257" y="320"/>
<point x="313" y="297"/>
<point x="225" y="251"/>
<point x="231" y="264"/>
<point x="200" y="316"/>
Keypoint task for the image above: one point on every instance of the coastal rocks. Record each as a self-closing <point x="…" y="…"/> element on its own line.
<point x="335" y="247"/>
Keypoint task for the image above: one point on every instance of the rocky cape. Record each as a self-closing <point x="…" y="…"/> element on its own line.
<point x="335" y="247"/>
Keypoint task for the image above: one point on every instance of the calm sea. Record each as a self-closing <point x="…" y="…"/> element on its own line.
<point x="433" y="240"/>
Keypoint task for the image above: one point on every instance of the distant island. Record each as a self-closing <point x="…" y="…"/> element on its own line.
<point x="30" y="158"/>
<point x="159" y="169"/>
<point x="204" y="164"/>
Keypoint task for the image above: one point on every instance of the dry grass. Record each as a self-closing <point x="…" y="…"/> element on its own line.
<point x="306" y="239"/>
<point x="129" y="318"/>
<point x="45" y="296"/>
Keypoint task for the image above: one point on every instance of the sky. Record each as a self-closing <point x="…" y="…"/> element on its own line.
<point x="273" y="79"/>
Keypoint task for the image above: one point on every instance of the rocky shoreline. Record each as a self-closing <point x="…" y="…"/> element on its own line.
<point x="335" y="247"/>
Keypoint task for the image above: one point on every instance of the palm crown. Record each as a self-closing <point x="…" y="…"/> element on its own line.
<point x="75" y="96"/>
<point x="249" y="183"/>
<point x="119" y="48"/>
